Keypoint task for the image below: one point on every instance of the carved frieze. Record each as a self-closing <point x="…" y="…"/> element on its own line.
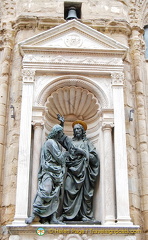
<point x="72" y="58"/>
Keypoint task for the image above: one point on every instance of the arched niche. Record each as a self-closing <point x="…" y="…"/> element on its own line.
<point x="74" y="97"/>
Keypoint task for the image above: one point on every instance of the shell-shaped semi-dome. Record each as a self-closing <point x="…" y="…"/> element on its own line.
<point x="72" y="103"/>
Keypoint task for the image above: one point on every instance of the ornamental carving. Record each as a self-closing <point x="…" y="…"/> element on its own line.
<point x="73" y="40"/>
<point x="117" y="78"/>
<point x="137" y="44"/>
<point x="135" y="12"/>
<point x="71" y="59"/>
<point x="28" y="75"/>
<point x="8" y="7"/>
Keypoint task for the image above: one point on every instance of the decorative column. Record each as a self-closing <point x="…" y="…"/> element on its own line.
<point x="137" y="51"/>
<point x="109" y="189"/>
<point x="24" y="148"/>
<point x="121" y="173"/>
<point x="8" y="41"/>
<point x="37" y="144"/>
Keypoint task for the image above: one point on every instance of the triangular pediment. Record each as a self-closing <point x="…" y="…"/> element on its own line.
<point x="72" y="34"/>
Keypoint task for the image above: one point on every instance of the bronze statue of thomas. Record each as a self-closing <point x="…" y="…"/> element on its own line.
<point x="82" y="171"/>
<point x="50" y="179"/>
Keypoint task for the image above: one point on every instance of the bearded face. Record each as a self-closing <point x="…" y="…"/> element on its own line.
<point x="78" y="131"/>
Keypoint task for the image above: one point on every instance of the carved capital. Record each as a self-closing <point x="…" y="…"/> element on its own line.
<point x="117" y="78"/>
<point x="28" y="75"/>
<point x="38" y="124"/>
<point x="107" y="126"/>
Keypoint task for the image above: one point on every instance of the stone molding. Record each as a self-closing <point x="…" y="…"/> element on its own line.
<point x="90" y="36"/>
<point x="74" y="80"/>
<point x="32" y="22"/>
<point x="44" y="23"/>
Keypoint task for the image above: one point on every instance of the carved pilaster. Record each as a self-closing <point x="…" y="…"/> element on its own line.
<point x="121" y="180"/>
<point x="8" y="39"/>
<point x="24" y="147"/>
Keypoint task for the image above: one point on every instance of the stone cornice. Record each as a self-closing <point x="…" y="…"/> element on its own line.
<point x="44" y="23"/>
<point x="110" y="26"/>
<point x="32" y="22"/>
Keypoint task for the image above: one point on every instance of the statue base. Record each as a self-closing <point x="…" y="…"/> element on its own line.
<point x="89" y="222"/>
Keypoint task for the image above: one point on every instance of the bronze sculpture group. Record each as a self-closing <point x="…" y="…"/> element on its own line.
<point x="82" y="168"/>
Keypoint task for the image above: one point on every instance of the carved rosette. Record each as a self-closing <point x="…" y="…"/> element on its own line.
<point x="117" y="78"/>
<point x="28" y="75"/>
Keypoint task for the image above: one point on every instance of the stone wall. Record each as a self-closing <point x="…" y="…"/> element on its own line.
<point x="118" y="19"/>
